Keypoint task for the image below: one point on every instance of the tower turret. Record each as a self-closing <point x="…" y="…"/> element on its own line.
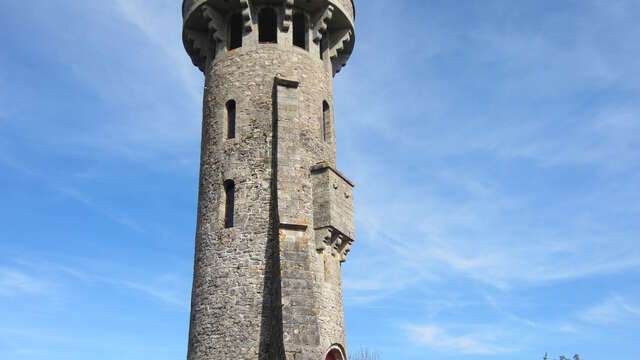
<point x="275" y="217"/>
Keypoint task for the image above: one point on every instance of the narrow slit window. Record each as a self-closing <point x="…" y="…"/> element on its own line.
<point x="325" y="126"/>
<point x="229" y="203"/>
<point x="322" y="47"/>
<point x="235" y="31"/>
<point x="268" y="26"/>
<point x="231" y="119"/>
<point x="214" y="49"/>
<point x="300" y="30"/>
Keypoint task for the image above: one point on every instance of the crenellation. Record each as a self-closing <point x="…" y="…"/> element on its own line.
<point x="339" y="41"/>
<point x="205" y="32"/>
<point x="215" y="22"/>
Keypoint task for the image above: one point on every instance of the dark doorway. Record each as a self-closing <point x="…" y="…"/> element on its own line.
<point x="268" y="26"/>
<point x="300" y="30"/>
<point x="235" y="31"/>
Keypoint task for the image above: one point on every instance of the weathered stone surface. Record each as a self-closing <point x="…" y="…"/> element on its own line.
<point x="348" y="7"/>
<point x="265" y="289"/>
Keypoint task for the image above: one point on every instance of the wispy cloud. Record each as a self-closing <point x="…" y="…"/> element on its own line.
<point x="166" y="288"/>
<point x="160" y="27"/>
<point x="15" y="282"/>
<point x="481" y="252"/>
<point x="87" y="201"/>
<point x="484" y="342"/>
<point x="612" y="310"/>
<point x="161" y="290"/>
<point x="10" y="161"/>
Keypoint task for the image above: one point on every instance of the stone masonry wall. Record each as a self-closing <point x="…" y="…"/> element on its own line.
<point x="263" y="290"/>
<point x="234" y="290"/>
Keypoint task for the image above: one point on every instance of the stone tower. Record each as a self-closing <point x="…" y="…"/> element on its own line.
<point x="275" y="217"/>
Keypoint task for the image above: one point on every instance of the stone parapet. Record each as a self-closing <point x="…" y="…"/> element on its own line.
<point x="206" y="26"/>
<point x="348" y="8"/>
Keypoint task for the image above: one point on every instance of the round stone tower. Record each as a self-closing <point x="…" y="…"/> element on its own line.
<point x="275" y="217"/>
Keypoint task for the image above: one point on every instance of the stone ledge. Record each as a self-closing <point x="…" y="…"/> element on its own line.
<point x="322" y="166"/>
<point x="293" y="225"/>
<point x="290" y="83"/>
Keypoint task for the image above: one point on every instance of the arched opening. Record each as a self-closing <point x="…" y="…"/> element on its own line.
<point x="268" y="26"/>
<point x="334" y="354"/>
<point x="229" y="203"/>
<point x="231" y="119"/>
<point x="300" y="30"/>
<point x="326" y="125"/>
<point x="235" y="31"/>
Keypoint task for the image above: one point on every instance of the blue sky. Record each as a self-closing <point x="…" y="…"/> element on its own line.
<point x="494" y="145"/>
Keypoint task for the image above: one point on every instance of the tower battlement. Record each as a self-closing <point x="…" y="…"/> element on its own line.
<point x="275" y="217"/>
<point x="329" y="26"/>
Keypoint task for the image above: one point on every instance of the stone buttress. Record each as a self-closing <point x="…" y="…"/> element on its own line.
<point x="275" y="217"/>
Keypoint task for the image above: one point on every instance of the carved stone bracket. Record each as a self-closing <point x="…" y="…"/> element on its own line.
<point x="338" y="41"/>
<point x="246" y="15"/>
<point x="200" y="43"/>
<point x="330" y="239"/>
<point x="321" y="25"/>
<point x="215" y="22"/>
<point x="288" y="14"/>
<point x="337" y="53"/>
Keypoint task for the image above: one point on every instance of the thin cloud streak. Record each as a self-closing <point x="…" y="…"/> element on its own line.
<point x="14" y="282"/>
<point x="614" y="309"/>
<point x="88" y="202"/>
<point x="161" y="30"/>
<point x="436" y="337"/>
<point x="166" y="288"/>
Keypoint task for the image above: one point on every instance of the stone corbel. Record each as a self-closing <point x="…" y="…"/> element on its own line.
<point x="324" y="239"/>
<point x="338" y="41"/>
<point x="201" y="43"/>
<point x="246" y="15"/>
<point x="336" y="53"/>
<point x="338" y="63"/>
<point x="288" y="14"/>
<point x="336" y="247"/>
<point x="215" y="22"/>
<point x="321" y="25"/>
<point x="332" y="240"/>
<point x="346" y="248"/>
